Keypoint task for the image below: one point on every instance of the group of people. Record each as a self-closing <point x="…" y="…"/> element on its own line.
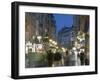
<point x="54" y="59"/>
<point x="72" y="57"/>
<point x="77" y="57"/>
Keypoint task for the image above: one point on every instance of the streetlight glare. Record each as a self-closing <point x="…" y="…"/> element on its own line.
<point x="64" y="50"/>
<point x="50" y="40"/>
<point x="56" y="47"/>
<point x="39" y="37"/>
<point x="74" y="48"/>
<point x="55" y="43"/>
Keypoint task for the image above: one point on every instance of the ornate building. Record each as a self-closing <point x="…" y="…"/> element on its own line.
<point x="39" y="25"/>
<point x="66" y="37"/>
<point x="81" y="23"/>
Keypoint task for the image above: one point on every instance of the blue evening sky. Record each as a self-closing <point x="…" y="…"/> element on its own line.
<point x="63" y="20"/>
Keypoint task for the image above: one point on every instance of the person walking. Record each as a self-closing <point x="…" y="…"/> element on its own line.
<point x="87" y="59"/>
<point x="71" y="57"/>
<point x="50" y="58"/>
<point x="66" y="59"/>
<point x="82" y="57"/>
<point x="57" y="59"/>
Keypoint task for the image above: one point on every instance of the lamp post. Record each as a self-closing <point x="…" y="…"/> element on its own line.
<point x="39" y="38"/>
<point x="81" y="38"/>
<point x="28" y="45"/>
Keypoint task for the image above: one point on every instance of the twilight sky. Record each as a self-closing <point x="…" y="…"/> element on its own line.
<point x="63" y="20"/>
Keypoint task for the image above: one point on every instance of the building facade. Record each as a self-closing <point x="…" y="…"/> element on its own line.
<point x="81" y="22"/>
<point x="39" y="25"/>
<point x="66" y="37"/>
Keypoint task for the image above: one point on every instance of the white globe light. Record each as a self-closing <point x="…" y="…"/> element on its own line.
<point x="74" y="48"/>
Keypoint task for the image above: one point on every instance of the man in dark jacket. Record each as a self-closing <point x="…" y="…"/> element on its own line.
<point x="57" y="59"/>
<point x="82" y="58"/>
<point x="50" y="58"/>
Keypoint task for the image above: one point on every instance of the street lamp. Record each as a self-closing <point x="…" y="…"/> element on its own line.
<point x="50" y="40"/>
<point x="63" y="49"/>
<point x="39" y="38"/>
<point x="81" y="36"/>
<point x="55" y="43"/>
<point x="74" y="48"/>
<point x="28" y="44"/>
<point x="56" y="47"/>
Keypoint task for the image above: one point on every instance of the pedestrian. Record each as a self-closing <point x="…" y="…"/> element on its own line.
<point x="66" y="60"/>
<point x="71" y="58"/>
<point x="50" y="58"/>
<point x="82" y="58"/>
<point x="87" y="59"/>
<point x="78" y="59"/>
<point x="57" y="59"/>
